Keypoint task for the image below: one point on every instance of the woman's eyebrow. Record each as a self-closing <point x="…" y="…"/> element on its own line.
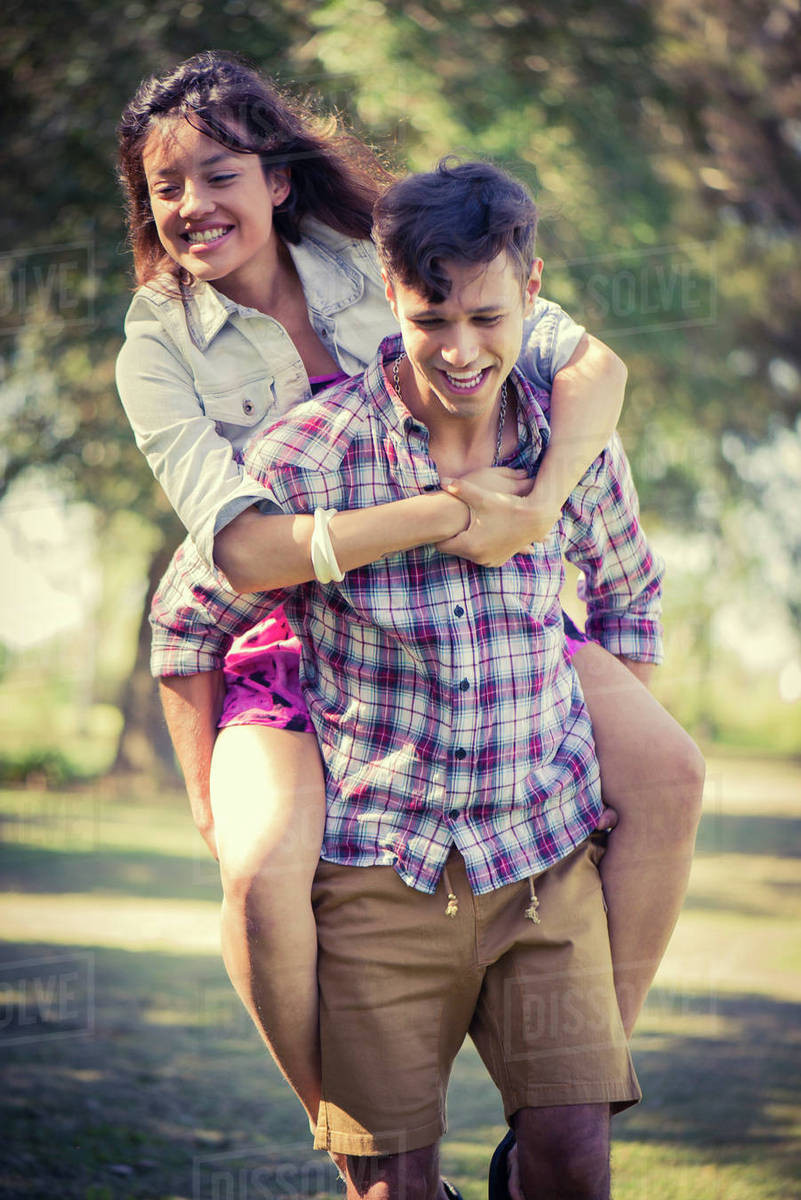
<point x="215" y="158"/>
<point x="169" y="169"/>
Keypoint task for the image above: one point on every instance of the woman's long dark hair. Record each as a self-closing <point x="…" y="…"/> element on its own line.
<point x="334" y="176"/>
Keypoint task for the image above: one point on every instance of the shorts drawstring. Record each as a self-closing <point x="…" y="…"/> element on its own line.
<point x="531" y="911"/>
<point x="453" y="904"/>
<point x="452" y="907"/>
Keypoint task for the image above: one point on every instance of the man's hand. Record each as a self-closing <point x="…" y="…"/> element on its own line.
<point x="502" y="522"/>
<point x="192" y="705"/>
<point x="200" y="804"/>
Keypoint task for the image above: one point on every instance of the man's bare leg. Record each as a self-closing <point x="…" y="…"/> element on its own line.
<point x="410" y="1176"/>
<point x="563" y="1152"/>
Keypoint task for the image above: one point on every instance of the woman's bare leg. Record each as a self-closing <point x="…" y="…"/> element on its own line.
<point x="268" y="803"/>
<point x="652" y="775"/>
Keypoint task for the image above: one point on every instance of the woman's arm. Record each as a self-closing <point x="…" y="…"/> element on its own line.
<point x="586" y="399"/>
<point x="258" y="553"/>
<point x="192" y="462"/>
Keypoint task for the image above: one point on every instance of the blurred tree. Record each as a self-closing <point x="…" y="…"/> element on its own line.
<point x="663" y="141"/>
<point x="66" y="71"/>
<point x="641" y="125"/>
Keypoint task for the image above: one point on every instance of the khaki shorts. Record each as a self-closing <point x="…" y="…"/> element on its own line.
<point x="402" y="983"/>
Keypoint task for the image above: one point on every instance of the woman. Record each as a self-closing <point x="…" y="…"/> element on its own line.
<point x="258" y="283"/>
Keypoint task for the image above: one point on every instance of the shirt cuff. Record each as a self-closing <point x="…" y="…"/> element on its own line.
<point x="639" y="639"/>
<point x="257" y="497"/>
<point x="550" y="337"/>
<point x="173" y="654"/>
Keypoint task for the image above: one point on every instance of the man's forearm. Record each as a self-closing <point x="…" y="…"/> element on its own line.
<point x="192" y="705"/>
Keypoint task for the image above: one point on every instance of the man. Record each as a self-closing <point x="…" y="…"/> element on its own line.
<point x="458" y="888"/>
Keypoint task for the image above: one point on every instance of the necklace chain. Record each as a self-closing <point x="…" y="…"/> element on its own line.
<point x="501" y="413"/>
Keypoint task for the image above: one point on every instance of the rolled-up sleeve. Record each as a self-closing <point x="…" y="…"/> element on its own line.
<point x="622" y="576"/>
<point x="195" y="615"/>
<point x="550" y="338"/>
<point x="195" y="466"/>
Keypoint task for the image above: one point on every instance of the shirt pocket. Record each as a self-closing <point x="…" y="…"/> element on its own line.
<point x="242" y="406"/>
<point x="537" y="581"/>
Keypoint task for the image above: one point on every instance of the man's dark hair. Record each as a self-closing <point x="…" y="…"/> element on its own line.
<point x="467" y="212"/>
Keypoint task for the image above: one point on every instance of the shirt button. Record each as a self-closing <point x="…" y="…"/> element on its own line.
<point x="460" y="753"/>
<point x="459" y="611"/>
<point x="464" y="685"/>
<point x="454" y="814"/>
<point x="247" y="407"/>
<point x="431" y="487"/>
<point x="324" y="333"/>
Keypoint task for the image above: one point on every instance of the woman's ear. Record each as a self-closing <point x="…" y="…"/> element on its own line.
<point x="279" y="185"/>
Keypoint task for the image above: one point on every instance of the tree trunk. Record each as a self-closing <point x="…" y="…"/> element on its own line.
<point x="144" y="744"/>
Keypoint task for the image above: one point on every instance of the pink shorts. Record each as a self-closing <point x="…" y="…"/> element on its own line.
<point x="575" y="638"/>
<point x="262" y="676"/>
<point x="262" y="683"/>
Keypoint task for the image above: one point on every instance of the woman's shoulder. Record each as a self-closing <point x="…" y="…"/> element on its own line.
<point x="155" y="323"/>
<point x="159" y="300"/>
<point x="359" y="253"/>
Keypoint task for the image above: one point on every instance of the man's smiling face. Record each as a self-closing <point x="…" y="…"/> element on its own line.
<point x="462" y="348"/>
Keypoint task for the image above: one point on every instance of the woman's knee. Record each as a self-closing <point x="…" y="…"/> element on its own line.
<point x="265" y="867"/>
<point x="684" y="771"/>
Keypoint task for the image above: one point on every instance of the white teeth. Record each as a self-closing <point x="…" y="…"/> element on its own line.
<point x="465" y="381"/>
<point x="201" y="236"/>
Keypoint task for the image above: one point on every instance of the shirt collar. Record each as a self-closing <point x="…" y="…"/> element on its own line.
<point x="206" y="310"/>
<point x="329" y="284"/>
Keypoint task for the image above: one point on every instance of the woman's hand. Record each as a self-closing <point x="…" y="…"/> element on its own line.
<point x="503" y="521"/>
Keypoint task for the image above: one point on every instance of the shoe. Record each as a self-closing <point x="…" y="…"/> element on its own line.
<point x="499" y="1168"/>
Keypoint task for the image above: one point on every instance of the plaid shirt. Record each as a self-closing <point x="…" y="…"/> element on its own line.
<point x="443" y="700"/>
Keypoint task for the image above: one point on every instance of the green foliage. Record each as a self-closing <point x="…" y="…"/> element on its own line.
<point x="50" y="768"/>
<point x="662" y="142"/>
<point x="628" y="121"/>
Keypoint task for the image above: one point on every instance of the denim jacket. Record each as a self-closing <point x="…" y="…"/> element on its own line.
<point x="200" y="375"/>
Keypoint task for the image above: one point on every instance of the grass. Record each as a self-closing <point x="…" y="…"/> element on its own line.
<point x="130" y="1071"/>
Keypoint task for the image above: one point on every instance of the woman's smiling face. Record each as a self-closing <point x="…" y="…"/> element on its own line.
<point x="213" y="207"/>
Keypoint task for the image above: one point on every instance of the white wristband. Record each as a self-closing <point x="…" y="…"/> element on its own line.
<point x="324" y="561"/>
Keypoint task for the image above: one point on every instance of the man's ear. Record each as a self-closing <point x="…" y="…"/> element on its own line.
<point x="389" y="292"/>
<point x="533" y="285"/>
<point x="279" y="185"/>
